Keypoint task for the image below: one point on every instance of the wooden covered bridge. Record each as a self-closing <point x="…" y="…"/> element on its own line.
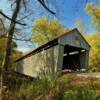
<point x="68" y="51"/>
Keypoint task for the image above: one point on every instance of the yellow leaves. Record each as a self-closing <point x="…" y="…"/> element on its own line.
<point x="89" y="8"/>
<point x="94" y="19"/>
<point x="94" y="12"/>
<point x="45" y="30"/>
<point x="79" y="25"/>
<point x="97" y="10"/>
<point x="96" y="15"/>
<point x="94" y="41"/>
<point x="40" y="23"/>
<point x="54" y="24"/>
<point x="38" y="37"/>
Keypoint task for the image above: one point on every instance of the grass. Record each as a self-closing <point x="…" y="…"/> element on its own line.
<point x="66" y="87"/>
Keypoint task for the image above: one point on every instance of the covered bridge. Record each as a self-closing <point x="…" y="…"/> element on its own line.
<point x="68" y="51"/>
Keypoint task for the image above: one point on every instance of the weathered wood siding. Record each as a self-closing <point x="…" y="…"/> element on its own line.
<point x="84" y="59"/>
<point x="60" y="57"/>
<point x="74" y="39"/>
<point x="44" y="61"/>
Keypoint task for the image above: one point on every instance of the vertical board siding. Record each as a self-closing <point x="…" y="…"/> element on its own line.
<point x="60" y="57"/>
<point x="84" y="59"/>
<point x="44" y="61"/>
<point x="73" y="39"/>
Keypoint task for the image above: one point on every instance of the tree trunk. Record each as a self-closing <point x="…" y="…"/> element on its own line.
<point x="7" y="58"/>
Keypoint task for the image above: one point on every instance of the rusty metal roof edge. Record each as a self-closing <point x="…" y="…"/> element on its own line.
<point x="37" y="49"/>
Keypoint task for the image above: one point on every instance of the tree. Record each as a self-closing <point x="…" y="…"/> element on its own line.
<point x="79" y="25"/>
<point x="94" y="12"/>
<point x="94" y="39"/>
<point x="3" y="40"/>
<point x="15" y="53"/>
<point x="17" y="4"/>
<point x="94" y="60"/>
<point x="13" y="24"/>
<point x="45" y="30"/>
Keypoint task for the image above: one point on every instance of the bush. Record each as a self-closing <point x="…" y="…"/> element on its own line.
<point x="80" y="93"/>
<point x="43" y="89"/>
<point x="55" y="88"/>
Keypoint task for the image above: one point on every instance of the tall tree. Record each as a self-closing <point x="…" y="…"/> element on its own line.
<point x="94" y="12"/>
<point x="17" y="8"/>
<point x="94" y="61"/>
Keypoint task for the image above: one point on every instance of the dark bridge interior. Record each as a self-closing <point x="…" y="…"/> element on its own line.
<point x="71" y="58"/>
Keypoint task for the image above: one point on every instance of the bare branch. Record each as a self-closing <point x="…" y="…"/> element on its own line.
<point x="25" y="17"/>
<point x="24" y="3"/>
<point x="86" y="1"/>
<point x="28" y="40"/>
<point x="2" y="24"/>
<point x="11" y="19"/>
<point x="44" y="5"/>
<point x="22" y="39"/>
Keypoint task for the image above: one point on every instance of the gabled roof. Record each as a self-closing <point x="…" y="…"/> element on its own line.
<point x="75" y="29"/>
<point x="49" y="44"/>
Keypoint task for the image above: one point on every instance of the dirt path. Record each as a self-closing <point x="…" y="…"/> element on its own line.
<point x="86" y="75"/>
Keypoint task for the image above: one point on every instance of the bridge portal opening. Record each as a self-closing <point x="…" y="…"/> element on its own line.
<point x="72" y="58"/>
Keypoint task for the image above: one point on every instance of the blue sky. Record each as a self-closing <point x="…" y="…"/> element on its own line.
<point x="71" y="10"/>
<point x="67" y="12"/>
